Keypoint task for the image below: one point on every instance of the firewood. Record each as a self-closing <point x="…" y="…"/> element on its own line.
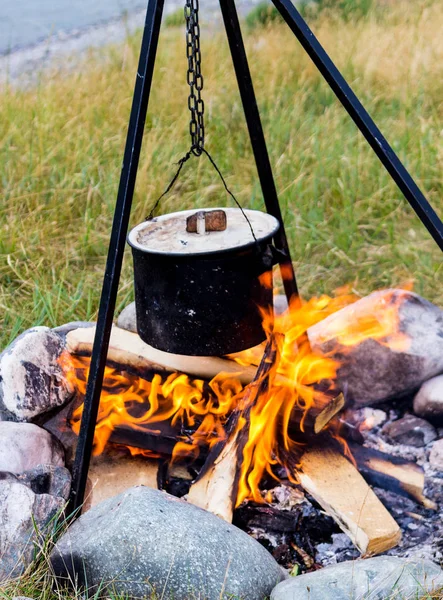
<point x="216" y="487"/>
<point x="391" y="473"/>
<point x="159" y="438"/>
<point x="127" y="349"/>
<point x="110" y="475"/>
<point x="214" y="491"/>
<point x="329" y="412"/>
<point x="343" y="493"/>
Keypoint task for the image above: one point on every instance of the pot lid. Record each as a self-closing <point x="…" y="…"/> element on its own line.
<point x="202" y="231"/>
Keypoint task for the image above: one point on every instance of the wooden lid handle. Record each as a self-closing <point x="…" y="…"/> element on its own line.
<point x="205" y="221"/>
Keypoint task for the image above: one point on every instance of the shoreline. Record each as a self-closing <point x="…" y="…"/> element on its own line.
<point x="25" y="64"/>
<point x="64" y="50"/>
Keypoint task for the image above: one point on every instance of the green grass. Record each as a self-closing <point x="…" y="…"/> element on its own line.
<point x="175" y="19"/>
<point x="262" y="15"/>
<point x="61" y="146"/>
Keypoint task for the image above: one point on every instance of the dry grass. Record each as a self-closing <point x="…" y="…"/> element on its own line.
<point x="61" y="148"/>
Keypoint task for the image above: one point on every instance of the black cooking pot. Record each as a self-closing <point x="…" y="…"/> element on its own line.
<point x="199" y="292"/>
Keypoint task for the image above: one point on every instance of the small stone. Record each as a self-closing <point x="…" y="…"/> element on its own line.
<point x="127" y="318"/>
<point x="372" y="372"/>
<point x="25" y="446"/>
<point x="374" y="417"/>
<point x="48" y="479"/>
<point x="31" y="379"/>
<point x="63" y="330"/>
<point x="411" y="431"/>
<point x="56" y="425"/>
<point x="21" y="598"/>
<point x="22" y="515"/>
<point x="145" y="541"/>
<point x="428" y="402"/>
<point x="375" y="578"/>
<point x="280" y="304"/>
<point x="436" y="456"/>
<point x="366" y="419"/>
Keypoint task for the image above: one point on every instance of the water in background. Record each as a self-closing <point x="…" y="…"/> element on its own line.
<point x="27" y="22"/>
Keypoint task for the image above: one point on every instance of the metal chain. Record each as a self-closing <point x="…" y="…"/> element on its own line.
<point x="194" y="77"/>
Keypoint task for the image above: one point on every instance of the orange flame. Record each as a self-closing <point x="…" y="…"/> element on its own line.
<point x="300" y="383"/>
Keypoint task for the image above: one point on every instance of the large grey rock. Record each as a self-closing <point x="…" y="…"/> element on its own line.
<point x="372" y="372"/>
<point x="428" y="402"/>
<point x="144" y="539"/>
<point x="127" y="318"/>
<point x="24" y="519"/>
<point x="31" y="378"/>
<point x="24" y="446"/>
<point x="377" y="578"/>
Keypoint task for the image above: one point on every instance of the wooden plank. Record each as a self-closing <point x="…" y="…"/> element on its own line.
<point x="391" y="473"/>
<point x="343" y="493"/>
<point x="127" y="348"/>
<point x="109" y="476"/>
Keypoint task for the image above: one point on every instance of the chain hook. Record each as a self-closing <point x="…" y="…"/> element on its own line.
<point x="194" y="77"/>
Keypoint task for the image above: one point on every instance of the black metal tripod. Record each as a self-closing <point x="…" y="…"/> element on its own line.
<point x="129" y="172"/>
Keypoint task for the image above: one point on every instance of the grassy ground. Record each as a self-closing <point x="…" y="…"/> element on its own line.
<point x="61" y="147"/>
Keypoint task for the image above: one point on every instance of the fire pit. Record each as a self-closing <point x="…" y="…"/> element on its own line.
<point x="263" y="437"/>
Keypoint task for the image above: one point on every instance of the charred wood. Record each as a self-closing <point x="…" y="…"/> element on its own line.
<point x="391" y="473"/>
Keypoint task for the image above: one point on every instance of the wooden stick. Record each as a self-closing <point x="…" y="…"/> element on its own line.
<point x="126" y="348"/>
<point x="343" y="493"/>
<point x="216" y="487"/>
<point x="328" y="413"/>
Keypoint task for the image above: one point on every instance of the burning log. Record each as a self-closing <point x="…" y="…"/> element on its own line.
<point x="127" y="349"/>
<point x="343" y="493"/>
<point x="216" y="490"/>
<point x="216" y="487"/>
<point x="160" y="438"/>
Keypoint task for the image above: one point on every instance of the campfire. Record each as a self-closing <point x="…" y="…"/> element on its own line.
<point x="243" y="423"/>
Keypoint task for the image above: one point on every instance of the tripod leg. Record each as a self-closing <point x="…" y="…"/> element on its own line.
<point x="258" y="142"/>
<point x="357" y="112"/>
<point x="116" y="250"/>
